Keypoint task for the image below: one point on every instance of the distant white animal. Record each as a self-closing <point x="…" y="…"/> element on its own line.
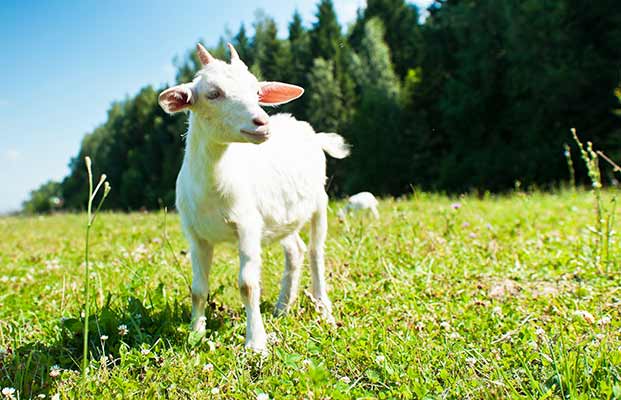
<point x="360" y="201"/>
<point x="250" y="178"/>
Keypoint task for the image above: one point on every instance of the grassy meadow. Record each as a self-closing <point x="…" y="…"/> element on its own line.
<point x="463" y="298"/>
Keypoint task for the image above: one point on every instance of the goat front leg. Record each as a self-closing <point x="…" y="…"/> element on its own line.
<point x="319" y="229"/>
<point x="250" y="285"/>
<point x="202" y="254"/>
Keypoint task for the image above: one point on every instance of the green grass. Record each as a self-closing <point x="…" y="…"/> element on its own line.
<point x="487" y="300"/>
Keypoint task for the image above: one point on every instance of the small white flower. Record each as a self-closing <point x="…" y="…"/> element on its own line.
<point x="41" y="396"/>
<point x="211" y="345"/>
<point x="123" y="331"/>
<point x="587" y="316"/>
<point x="208" y="367"/>
<point x="272" y="338"/>
<point x="306" y="362"/>
<point x="345" y="379"/>
<point x="445" y="325"/>
<point x="455" y="335"/>
<point x="103" y="338"/>
<point x="471" y="361"/>
<point x="215" y="390"/>
<point x="533" y="345"/>
<point x="540" y="332"/>
<point x="497" y="311"/>
<point x="605" y="320"/>
<point x="145" y="352"/>
<point x="380" y="359"/>
<point x="8" y="392"/>
<point x="55" y="371"/>
<point x="263" y="396"/>
<point x="56" y="396"/>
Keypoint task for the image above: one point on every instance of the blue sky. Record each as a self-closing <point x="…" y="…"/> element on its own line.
<point x="64" y="62"/>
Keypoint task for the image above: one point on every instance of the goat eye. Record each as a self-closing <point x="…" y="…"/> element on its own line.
<point x="214" y="94"/>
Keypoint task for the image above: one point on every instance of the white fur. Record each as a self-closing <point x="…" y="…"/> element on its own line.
<point x="235" y="188"/>
<point x="360" y="201"/>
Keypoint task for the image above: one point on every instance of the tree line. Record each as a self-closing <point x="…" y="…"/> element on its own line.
<point x="479" y="95"/>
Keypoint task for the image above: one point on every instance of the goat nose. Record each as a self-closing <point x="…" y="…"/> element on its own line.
<point x="259" y="121"/>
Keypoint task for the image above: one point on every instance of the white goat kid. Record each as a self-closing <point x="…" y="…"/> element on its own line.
<point x="360" y="201"/>
<point x="250" y="178"/>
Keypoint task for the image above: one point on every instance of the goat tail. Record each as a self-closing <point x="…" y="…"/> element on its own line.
<point x="333" y="144"/>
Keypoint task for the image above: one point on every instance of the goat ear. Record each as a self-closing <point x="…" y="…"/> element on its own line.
<point x="176" y="98"/>
<point x="275" y="93"/>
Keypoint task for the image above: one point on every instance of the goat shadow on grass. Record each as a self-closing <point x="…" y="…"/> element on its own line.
<point x="111" y="328"/>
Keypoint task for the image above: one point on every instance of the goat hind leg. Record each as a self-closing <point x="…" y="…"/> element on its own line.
<point x="294" y="249"/>
<point x="319" y="229"/>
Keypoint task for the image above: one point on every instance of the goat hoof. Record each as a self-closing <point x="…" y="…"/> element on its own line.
<point x="257" y="348"/>
<point x="281" y="310"/>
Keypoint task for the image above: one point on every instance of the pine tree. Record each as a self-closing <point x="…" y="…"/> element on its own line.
<point x="402" y="31"/>
<point x="376" y="127"/>
<point x="324" y="102"/>
<point x="243" y="45"/>
<point x="298" y="65"/>
<point x="269" y="52"/>
<point x="325" y="37"/>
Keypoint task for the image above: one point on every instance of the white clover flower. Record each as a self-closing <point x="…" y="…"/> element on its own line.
<point x="471" y="361"/>
<point x="263" y="396"/>
<point x="208" y="367"/>
<point x="103" y="338"/>
<point x="445" y="325"/>
<point x="605" y="320"/>
<point x="123" y="331"/>
<point x="306" y="362"/>
<point x="211" y="345"/>
<point x="56" y="396"/>
<point x="55" y="371"/>
<point x="145" y="352"/>
<point x="41" y="396"/>
<point x="272" y="338"/>
<point x="540" y="332"/>
<point x="380" y="359"/>
<point x="345" y="379"/>
<point x="215" y="390"/>
<point x="8" y="392"/>
<point x="587" y="316"/>
<point x="455" y="335"/>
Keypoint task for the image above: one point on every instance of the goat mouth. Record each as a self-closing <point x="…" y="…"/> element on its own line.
<point x="256" y="136"/>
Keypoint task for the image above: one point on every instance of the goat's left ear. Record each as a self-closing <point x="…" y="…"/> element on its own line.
<point x="176" y="98"/>
<point x="275" y="93"/>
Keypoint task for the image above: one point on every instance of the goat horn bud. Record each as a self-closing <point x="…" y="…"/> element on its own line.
<point x="234" y="55"/>
<point x="203" y="54"/>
